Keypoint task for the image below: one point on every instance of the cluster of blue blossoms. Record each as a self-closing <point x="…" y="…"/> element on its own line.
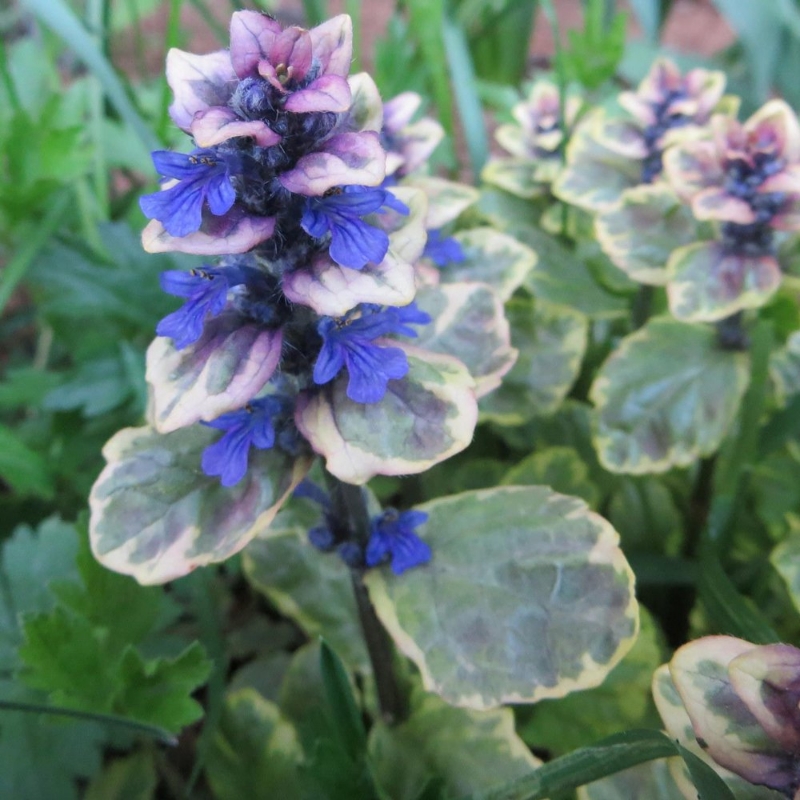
<point x="287" y="185"/>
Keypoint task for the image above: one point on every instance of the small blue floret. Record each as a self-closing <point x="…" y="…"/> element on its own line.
<point x="354" y="243"/>
<point x="205" y="291"/>
<point x="393" y="537"/>
<point x="443" y="250"/>
<point x="203" y="178"/>
<point x="349" y="342"/>
<point x="251" y="426"/>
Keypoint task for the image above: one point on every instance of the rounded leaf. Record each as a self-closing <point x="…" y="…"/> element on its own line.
<point x="225" y="369"/>
<point x="707" y="283"/>
<point x="491" y="257"/>
<point x="533" y="598"/>
<point x="156" y="516"/>
<point x="424" y="418"/>
<point x="641" y="231"/>
<point x="665" y="397"/>
<point x="469" y="323"/>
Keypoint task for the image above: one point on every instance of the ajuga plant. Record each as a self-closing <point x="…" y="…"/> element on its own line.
<point x="345" y="315"/>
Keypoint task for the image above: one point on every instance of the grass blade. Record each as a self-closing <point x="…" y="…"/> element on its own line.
<point x="57" y="16"/>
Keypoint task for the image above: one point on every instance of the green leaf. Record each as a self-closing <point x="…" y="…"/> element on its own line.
<point x="621" y="702"/>
<point x="96" y="387"/>
<point x="41" y="757"/>
<point x="560" y="468"/>
<point x="469" y="323"/>
<point x="25" y="386"/>
<point x="560" y="277"/>
<point x="24" y="470"/>
<point x="157" y="516"/>
<point x="665" y="397"/>
<point x="784" y="369"/>
<point x="650" y="781"/>
<point x="611" y="755"/>
<point x="462" y="76"/>
<point x="464" y="750"/>
<point x="255" y="752"/>
<point x="786" y="560"/>
<point x="344" y="711"/>
<point x="60" y="18"/>
<point x="491" y="257"/>
<point x="159" y="690"/>
<point x="311" y="588"/>
<point x="551" y="341"/>
<point x="424" y="418"/>
<point x="555" y="611"/>
<point x="640" y="232"/>
<point x="646" y="516"/>
<point x="130" y="778"/>
<point x="707" y="283"/>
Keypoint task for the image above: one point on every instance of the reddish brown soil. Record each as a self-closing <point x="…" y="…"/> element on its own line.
<point x="693" y="26"/>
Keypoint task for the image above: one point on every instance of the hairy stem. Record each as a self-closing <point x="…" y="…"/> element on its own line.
<point x="351" y="517"/>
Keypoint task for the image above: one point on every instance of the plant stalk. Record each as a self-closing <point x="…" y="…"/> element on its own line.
<point x="351" y="518"/>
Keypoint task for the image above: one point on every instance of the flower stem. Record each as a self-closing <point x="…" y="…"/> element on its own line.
<point x="351" y="517"/>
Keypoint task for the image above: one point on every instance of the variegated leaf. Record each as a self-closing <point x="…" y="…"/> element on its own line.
<point x="551" y="341"/>
<point x="423" y="419"/>
<point x="469" y="323"/>
<point x="707" y="283"/>
<point x="640" y="232"/>
<point x="155" y="515"/>
<point x="533" y="598"/>
<point x="468" y="751"/>
<point x="665" y="397"/>
<point x="226" y="368"/>
<point x="491" y="257"/>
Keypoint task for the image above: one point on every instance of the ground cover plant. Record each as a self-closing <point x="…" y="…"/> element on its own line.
<point x="427" y="431"/>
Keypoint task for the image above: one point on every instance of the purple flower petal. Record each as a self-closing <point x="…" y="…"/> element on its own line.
<point x="217" y="125"/>
<point x="328" y="93"/>
<point x="393" y="536"/>
<point x="348" y="159"/>
<point x="198" y="82"/>
<point x="332" y="43"/>
<point x="252" y="36"/>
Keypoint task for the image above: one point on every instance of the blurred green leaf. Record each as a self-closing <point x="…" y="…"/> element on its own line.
<point x="24" y="470"/>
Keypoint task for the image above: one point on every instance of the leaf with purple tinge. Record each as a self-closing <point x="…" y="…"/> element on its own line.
<point x="767" y="680"/>
<point x="332" y="290"/>
<point x="198" y="83"/>
<point x="424" y="418"/>
<point x="533" y="598"/>
<point x="706" y="283"/>
<point x="665" y="397"/>
<point x="156" y="516"/>
<point x="721" y="721"/>
<point x="217" y="125"/>
<point x="594" y="177"/>
<point x="679" y="727"/>
<point x="328" y="93"/>
<point x="469" y="323"/>
<point x="640" y="233"/>
<point x="234" y="232"/>
<point x="348" y="159"/>
<point x="226" y="368"/>
<point x="491" y="257"/>
<point x="252" y="36"/>
<point x="332" y="45"/>
<point x="446" y="199"/>
<point x="365" y="112"/>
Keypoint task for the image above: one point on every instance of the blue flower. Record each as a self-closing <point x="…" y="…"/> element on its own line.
<point x="349" y="342"/>
<point x="393" y="536"/>
<point x="443" y="250"/>
<point x="406" y="316"/>
<point x="203" y="177"/>
<point x="251" y="426"/>
<point x="205" y="291"/>
<point x="354" y="243"/>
